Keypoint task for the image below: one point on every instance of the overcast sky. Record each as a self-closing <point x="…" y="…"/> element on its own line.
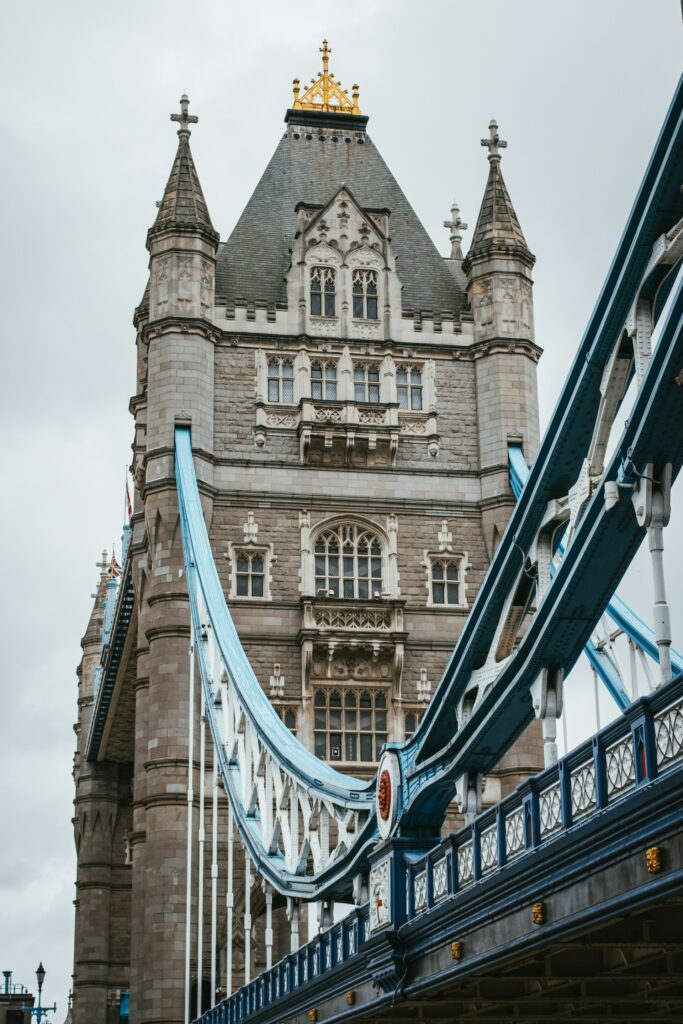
<point x="579" y="91"/>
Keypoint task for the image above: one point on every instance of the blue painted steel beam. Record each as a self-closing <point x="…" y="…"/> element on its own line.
<point x="658" y="205"/>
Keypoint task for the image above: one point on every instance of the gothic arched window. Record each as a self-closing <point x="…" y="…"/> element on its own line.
<point x="410" y="723"/>
<point x="280" y="380"/>
<point x="445" y="581"/>
<point x="366" y="382"/>
<point x="288" y="716"/>
<point x="323" y="291"/>
<point x="324" y="381"/>
<point x="364" y="287"/>
<point x="409" y="387"/>
<point x="250" y="573"/>
<point x="348" y="563"/>
<point x="349" y="724"/>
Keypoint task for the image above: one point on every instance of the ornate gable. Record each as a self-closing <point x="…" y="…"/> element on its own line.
<point x="344" y="236"/>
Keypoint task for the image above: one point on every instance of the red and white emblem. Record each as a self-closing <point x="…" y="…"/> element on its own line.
<point x="386" y="798"/>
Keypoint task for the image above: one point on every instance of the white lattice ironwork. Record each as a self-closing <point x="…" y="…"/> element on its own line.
<point x="465" y="864"/>
<point x="308" y="831"/>
<point x="669" y="734"/>
<point x="489" y="849"/>
<point x="583" y="790"/>
<point x="621" y="769"/>
<point x="550" y="809"/>
<point x="420" y="891"/>
<point x="514" y="833"/>
<point x="440" y="879"/>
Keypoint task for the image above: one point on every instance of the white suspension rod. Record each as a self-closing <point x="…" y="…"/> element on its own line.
<point x="229" y="903"/>
<point x="247" y="918"/>
<point x="214" y="877"/>
<point x="200" y="889"/>
<point x="269" y="925"/>
<point x="190" y="802"/>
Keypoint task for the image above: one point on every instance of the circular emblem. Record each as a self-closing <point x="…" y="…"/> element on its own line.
<point x="384" y="795"/>
<point x="387" y="792"/>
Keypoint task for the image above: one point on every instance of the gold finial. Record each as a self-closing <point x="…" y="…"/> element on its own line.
<point x="324" y="93"/>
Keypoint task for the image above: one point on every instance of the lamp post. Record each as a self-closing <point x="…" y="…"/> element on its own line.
<point x="40" y="1011"/>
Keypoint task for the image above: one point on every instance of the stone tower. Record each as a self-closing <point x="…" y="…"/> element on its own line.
<point x="351" y="394"/>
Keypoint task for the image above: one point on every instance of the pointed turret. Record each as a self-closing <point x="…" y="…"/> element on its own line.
<point x="182" y="242"/>
<point x="498" y="228"/>
<point x="183" y="208"/>
<point x="498" y="268"/>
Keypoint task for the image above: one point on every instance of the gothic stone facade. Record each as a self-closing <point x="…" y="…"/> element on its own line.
<point x="351" y="395"/>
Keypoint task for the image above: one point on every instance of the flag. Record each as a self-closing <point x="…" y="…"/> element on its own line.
<point x="129" y="506"/>
<point x="113" y="569"/>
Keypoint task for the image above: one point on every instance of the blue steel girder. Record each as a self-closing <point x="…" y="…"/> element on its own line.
<point x="601" y="549"/>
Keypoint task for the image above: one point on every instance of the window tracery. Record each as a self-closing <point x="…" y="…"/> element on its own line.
<point x="348" y="563"/>
<point x="323" y="291"/>
<point x="445" y="581"/>
<point x="364" y="289"/>
<point x="250" y="573"/>
<point x="324" y="380"/>
<point x="409" y="387"/>
<point x="349" y="724"/>
<point x="280" y="380"/>
<point x="288" y="716"/>
<point x="366" y="383"/>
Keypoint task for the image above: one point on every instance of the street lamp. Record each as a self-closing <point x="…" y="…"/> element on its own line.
<point x="40" y="1011"/>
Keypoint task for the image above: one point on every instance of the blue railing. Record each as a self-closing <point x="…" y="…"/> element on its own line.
<point x="641" y="745"/>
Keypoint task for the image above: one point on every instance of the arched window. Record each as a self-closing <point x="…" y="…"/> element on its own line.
<point x="324" y="381"/>
<point x="348" y="563"/>
<point x="366" y="382"/>
<point x="364" y="284"/>
<point x="410" y="723"/>
<point x="249" y="573"/>
<point x="349" y="724"/>
<point x="288" y="716"/>
<point x="323" y="291"/>
<point x="409" y="387"/>
<point x="445" y="581"/>
<point x="280" y="380"/>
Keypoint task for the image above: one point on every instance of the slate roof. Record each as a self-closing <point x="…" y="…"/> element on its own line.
<point x="305" y="169"/>
<point x="183" y="204"/>
<point x="497" y="221"/>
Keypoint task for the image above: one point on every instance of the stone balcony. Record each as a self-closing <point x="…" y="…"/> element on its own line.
<point x="346" y="433"/>
<point x="352" y="640"/>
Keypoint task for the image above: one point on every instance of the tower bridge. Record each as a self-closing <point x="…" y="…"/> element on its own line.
<point x="317" y="774"/>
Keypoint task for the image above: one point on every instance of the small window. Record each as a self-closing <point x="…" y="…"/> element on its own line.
<point x="280" y="380"/>
<point x="288" y="716"/>
<point x="364" y="283"/>
<point x="250" y="573"/>
<point x="445" y="581"/>
<point x="410" y="723"/>
<point x="409" y="387"/>
<point x="324" y="381"/>
<point x="366" y="383"/>
<point x="323" y="291"/>
<point x="349" y="725"/>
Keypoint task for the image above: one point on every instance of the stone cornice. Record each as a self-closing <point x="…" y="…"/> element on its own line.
<point x="182" y="325"/>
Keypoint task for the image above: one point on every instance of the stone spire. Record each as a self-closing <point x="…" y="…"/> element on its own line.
<point x="93" y="633"/>
<point x="497" y="224"/>
<point x="183" y="208"/>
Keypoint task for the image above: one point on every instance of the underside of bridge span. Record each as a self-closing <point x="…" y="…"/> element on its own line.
<point x="628" y="970"/>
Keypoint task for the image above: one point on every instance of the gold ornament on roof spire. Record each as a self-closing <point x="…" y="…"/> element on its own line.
<point x="324" y="93"/>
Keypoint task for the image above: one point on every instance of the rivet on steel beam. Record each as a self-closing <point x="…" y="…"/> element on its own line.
<point x="456" y="950"/>
<point x="538" y="912"/>
<point x="653" y="859"/>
